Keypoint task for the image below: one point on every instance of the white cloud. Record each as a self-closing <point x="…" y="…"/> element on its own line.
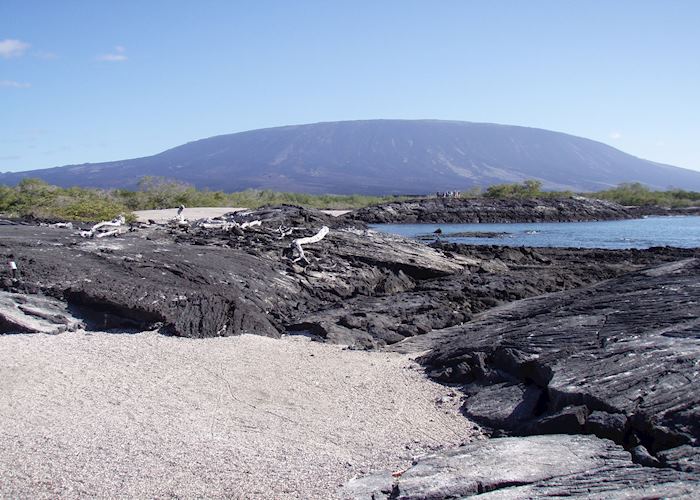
<point x="12" y="48"/>
<point x="615" y="135"/>
<point x="14" y="84"/>
<point x="117" y="55"/>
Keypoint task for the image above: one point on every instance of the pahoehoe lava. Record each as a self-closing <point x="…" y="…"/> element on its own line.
<point x="553" y="349"/>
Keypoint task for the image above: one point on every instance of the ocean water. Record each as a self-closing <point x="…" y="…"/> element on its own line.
<point x="682" y="231"/>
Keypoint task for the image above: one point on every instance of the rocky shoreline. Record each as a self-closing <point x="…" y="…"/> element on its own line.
<point x="663" y="211"/>
<point x="492" y="211"/>
<point x="601" y="343"/>
<point x="507" y="210"/>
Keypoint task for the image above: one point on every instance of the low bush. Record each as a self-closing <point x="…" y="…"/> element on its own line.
<point x="36" y="198"/>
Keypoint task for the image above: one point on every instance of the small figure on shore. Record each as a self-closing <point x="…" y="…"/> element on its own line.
<point x="179" y="219"/>
<point x="13" y="270"/>
<point x="13" y="282"/>
<point x="448" y="194"/>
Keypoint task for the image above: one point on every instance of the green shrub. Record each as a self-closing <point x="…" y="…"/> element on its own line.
<point x="34" y="197"/>
<point x="636" y="194"/>
<point x="528" y="189"/>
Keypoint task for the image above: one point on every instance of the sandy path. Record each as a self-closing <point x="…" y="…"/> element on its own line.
<point x="164" y="215"/>
<point x="143" y="415"/>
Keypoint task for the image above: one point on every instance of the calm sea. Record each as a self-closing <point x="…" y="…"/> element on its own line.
<point x="635" y="233"/>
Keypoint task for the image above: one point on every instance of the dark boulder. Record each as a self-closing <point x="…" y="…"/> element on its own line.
<point x="613" y="426"/>
<point x="641" y="456"/>
<point x="568" y="420"/>
<point x="503" y="406"/>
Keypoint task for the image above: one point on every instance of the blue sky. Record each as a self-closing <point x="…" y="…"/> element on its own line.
<point x="89" y="81"/>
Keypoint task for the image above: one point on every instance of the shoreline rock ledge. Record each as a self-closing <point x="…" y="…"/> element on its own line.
<point x="491" y="211"/>
<point x="529" y="467"/>
<point x="618" y="359"/>
<point x="586" y="392"/>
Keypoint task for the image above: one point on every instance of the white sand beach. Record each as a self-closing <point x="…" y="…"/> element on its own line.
<point x="164" y="215"/>
<point x="145" y="415"/>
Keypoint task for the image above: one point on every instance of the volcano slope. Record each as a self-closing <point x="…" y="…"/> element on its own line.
<point x="611" y="349"/>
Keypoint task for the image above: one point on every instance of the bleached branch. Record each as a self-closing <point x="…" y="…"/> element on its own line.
<point x="299" y="242"/>
<point x="98" y="232"/>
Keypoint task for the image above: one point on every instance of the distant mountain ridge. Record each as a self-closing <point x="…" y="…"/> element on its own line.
<point x="380" y="157"/>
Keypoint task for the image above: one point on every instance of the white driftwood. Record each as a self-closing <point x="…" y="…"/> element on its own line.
<point x="113" y="232"/>
<point x="97" y="230"/>
<point x="223" y="225"/>
<point x="66" y="225"/>
<point x="297" y="244"/>
<point x="226" y="225"/>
